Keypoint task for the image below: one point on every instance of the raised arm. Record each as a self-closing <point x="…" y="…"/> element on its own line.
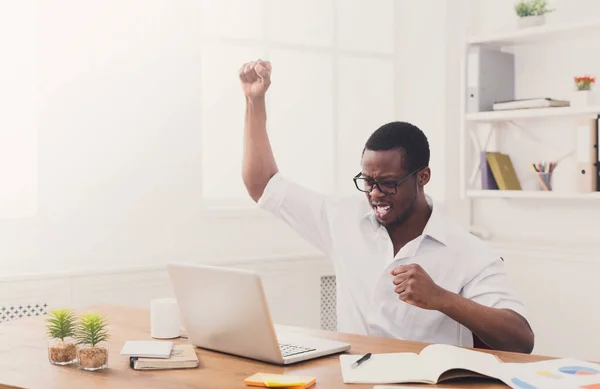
<point x="258" y="165"/>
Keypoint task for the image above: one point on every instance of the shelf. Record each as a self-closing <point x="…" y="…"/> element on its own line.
<point x="530" y="194"/>
<point x="539" y="34"/>
<point x="533" y="113"/>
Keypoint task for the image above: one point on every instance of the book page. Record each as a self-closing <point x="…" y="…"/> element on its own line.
<point x="390" y="368"/>
<point x="566" y="373"/>
<point x="440" y="358"/>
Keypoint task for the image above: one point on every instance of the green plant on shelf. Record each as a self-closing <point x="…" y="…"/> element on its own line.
<point x="525" y="8"/>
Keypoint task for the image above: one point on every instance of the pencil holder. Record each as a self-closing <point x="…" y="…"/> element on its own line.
<point x="544" y="181"/>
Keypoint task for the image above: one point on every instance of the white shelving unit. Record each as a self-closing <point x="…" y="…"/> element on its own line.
<point x="496" y="119"/>
<point x="536" y="35"/>
<point x="530" y="194"/>
<point x="534" y="113"/>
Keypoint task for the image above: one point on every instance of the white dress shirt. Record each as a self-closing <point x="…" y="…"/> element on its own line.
<point x="347" y="231"/>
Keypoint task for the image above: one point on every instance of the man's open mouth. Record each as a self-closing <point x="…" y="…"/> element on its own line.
<point x="381" y="210"/>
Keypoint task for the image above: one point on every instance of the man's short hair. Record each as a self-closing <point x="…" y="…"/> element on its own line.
<point x="402" y="136"/>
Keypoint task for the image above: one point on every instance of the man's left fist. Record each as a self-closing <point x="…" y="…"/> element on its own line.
<point x="415" y="287"/>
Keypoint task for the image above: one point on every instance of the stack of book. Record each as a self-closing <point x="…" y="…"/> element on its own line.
<point x="544" y="102"/>
<point x="156" y="355"/>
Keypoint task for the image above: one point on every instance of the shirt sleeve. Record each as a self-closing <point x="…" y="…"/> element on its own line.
<point x="492" y="288"/>
<point x="304" y="210"/>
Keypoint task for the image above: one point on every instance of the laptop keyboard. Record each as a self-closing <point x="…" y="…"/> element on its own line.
<point x="292" y="349"/>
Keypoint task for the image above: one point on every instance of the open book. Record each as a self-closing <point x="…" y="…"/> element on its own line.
<point x="436" y="363"/>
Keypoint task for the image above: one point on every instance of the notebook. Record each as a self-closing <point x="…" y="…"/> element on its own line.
<point x="488" y="181"/>
<point x="182" y="356"/>
<point x="280" y="381"/>
<point x="566" y="373"/>
<point x="147" y="349"/>
<point x="436" y="363"/>
<point x="503" y="171"/>
<point x="439" y="363"/>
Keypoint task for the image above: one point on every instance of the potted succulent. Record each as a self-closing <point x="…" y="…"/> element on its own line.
<point x="531" y="12"/>
<point x="92" y="335"/>
<point x="583" y="87"/>
<point x="62" y="349"/>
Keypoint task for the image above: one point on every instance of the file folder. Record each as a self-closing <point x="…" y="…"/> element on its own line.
<point x="587" y="156"/>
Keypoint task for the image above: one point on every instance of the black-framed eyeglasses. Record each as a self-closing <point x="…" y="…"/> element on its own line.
<point x="388" y="187"/>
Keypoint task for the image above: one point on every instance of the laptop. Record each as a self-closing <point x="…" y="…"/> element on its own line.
<point x="225" y="310"/>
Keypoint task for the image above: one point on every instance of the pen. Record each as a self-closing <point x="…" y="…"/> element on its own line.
<point x="361" y="360"/>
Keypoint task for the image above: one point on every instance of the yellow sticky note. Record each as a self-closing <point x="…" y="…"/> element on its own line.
<point x="283" y="382"/>
<point x="279" y="381"/>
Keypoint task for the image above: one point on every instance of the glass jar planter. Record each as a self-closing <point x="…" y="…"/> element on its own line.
<point x="62" y="352"/>
<point x="93" y="357"/>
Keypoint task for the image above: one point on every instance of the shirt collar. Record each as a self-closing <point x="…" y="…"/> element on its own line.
<point x="435" y="227"/>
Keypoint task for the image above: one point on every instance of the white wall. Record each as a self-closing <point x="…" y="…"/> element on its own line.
<point x="558" y="286"/>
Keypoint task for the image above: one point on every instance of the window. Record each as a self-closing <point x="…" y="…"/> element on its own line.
<point x="18" y="132"/>
<point x="333" y="85"/>
<point x="362" y="107"/>
<point x="222" y="118"/>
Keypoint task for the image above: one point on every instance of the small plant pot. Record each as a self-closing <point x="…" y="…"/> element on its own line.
<point x="580" y="98"/>
<point x="531" y="21"/>
<point x="62" y="352"/>
<point x="93" y="357"/>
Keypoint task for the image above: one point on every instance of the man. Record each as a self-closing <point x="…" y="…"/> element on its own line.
<point x="403" y="271"/>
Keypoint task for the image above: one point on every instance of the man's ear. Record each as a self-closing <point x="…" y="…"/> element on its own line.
<point x="424" y="176"/>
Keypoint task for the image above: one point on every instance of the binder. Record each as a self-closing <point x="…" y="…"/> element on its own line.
<point x="490" y="78"/>
<point x="597" y="146"/>
<point x="587" y="156"/>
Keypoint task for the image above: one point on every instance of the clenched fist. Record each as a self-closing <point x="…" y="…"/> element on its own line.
<point x="416" y="287"/>
<point x="255" y="78"/>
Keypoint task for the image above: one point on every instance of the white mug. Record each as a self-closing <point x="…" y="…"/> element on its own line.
<point x="165" y="320"/>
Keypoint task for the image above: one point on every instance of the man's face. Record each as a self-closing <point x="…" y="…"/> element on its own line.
<point x="388" y="167"/>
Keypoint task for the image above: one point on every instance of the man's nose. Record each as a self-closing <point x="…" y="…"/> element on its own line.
<point x="376" y="193"/>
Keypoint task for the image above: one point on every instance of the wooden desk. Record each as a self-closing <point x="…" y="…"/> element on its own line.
<point x="24" y="361"/>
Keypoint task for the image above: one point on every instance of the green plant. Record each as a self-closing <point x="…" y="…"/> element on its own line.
<point x="531" y="8"/>
<point x="91" y="329"/>
<point x="61" y="324"/>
